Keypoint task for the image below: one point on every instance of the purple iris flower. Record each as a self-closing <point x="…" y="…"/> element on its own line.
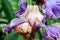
<point x="22" y="7"/>
<point x="51" y="32"/>
<point x="51" y="8"/>
<point x="32" y="16"/>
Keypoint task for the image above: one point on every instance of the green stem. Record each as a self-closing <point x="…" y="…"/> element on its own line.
<point x="29" y="2"/>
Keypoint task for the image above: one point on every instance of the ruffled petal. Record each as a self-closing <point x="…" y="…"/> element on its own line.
<point x="52" y="8"/>
<point x="53" y="32"/>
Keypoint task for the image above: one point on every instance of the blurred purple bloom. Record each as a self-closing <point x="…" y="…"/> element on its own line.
<point x="51" y="8"/>
<point x="51" y="32"/>
<point x="13" y="23"/>
<point x="22" y="7"/>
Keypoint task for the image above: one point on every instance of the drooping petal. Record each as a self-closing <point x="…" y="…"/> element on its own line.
<point x="22" y="7"/>
<point x="51" y="32"/>
<point x="52" y="8"/>
<point x="15" y="21"/>
<point x="32" y="15"/>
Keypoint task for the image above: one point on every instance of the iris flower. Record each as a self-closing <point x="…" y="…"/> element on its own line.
<point x="51" y="8"/>
<point x="30" y="19"/>
<point x="27" y="20"/>
<point x="51" y="33"/>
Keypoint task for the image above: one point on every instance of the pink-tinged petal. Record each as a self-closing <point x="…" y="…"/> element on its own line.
<point x="32" y="15"/>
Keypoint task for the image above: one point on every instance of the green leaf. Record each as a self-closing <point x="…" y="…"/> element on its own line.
<point x="29" y="2"/>
<point x="57" y="20"/>
<point x="20" y="37"/>
<point x="49" y="21"/>
<point x="0" y="4"/>
<point x="33" y="3"/>
<point x="8" y="10"/>
<point x="14" y="4"/>
<point x="2" y="15"/>
<point x="1" y="26"/>
<point x="3" y="20"/>
<point x="40" y="33"/>
<point x="13" y="36"/>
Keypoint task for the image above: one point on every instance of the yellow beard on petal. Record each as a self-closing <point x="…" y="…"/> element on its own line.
<point x="23" y="28"/>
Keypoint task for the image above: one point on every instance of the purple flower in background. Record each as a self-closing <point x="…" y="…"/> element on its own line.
<point x="22" y="7"/>
<point x="51" y="8"/>
<point x="51" y="32"/>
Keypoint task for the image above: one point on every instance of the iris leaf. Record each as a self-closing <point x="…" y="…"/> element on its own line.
<point x="29" y="2"/>
<point x="13" y="36"/>
<point x="40" y="33"/>
<point x="8" y="10"/>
